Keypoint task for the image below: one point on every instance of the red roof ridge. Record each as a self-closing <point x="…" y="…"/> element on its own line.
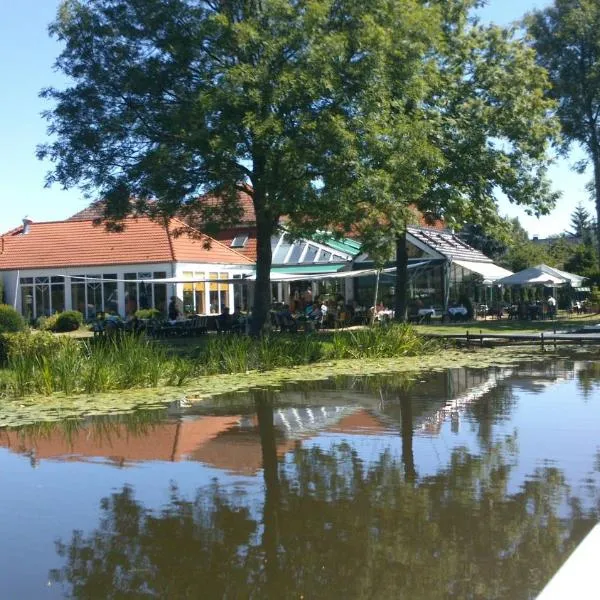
<point x="212" y="239"/>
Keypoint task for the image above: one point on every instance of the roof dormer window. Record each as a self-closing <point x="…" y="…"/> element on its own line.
<point x="240" y="240"/>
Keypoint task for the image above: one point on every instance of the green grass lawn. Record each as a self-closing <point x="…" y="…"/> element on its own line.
<point x="564" y="322"/>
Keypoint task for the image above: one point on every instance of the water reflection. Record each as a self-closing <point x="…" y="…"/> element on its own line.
<point x="332" y="527"/>
<point x="352" y="502"/>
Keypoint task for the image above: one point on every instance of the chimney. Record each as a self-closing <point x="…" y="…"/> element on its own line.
<point x="26" y="225"/>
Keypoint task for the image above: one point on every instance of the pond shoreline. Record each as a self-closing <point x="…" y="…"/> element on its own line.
<point x="32" y="409"/>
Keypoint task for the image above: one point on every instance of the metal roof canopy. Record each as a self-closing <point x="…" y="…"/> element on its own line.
<point x="488" y="270"/>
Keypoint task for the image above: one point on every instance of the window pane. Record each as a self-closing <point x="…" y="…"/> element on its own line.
<point x="58" y="298"/>
<point x="223" y="287"/>
<point x="325" y="256"/>
<point x="296" y="252"/>
<point x="188" y="298"/>
<point x="42" y="279"/>
<point x="214" y="295"/>
<point x="239" y="241"/>
<point x="130" y="297"/>
<point x="57" y="279"/>
<point x="26" y="280"/>
<point x="94" y="298"/>
<point x="42" y="300"/>
<point x="224" y="292"/>
<point x="214" y="302"/>
<point x="310" y="254"/>
<point x="160" y="275"/>
<point x="145" y="294"/>
<point x="274" y="242"/>
<point x="199" y="295"/>
<point x="281" y="253"/>
<point x="78" y="297"/>
<point x="27" y="301"/>
<point x="160" y="297"/>
<point x="111" y="297"/>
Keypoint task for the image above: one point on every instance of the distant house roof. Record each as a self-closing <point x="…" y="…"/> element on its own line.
<point x="247" y="215"/>
<point x="447" y="244"/>
<point x="79" y="243"/>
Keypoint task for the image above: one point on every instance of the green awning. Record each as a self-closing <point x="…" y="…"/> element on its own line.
<point x="309" y="269"/>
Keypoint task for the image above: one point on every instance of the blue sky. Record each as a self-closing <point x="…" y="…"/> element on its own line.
<point x="26" y="67"/>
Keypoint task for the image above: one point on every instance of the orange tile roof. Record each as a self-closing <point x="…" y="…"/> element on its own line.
<point x="191" y="245"/>
<point x="226" y="236"/>
<point x="80" y="243"/>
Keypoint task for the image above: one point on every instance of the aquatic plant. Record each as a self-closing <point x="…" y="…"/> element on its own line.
<point x="377" y="342"/>
<point x="42" y="363"/>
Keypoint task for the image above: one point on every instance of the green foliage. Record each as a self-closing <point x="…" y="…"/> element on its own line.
<point x="583" y="261"/>
<point x="45" y="323"/>
<point x="69" y="320"/>
<point x="377" y="342"/>
<point x="581" y="221"/>
<point x="10" y="320"/>
<point x="148" y="313"/>
<point x="565" y="37"/>
<point x="42" y="363"/>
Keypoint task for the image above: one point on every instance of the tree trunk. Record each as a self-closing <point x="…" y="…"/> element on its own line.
<point x="400" y="303"/>
<point x="265" y="228"/>
<point x="408" y="457"/>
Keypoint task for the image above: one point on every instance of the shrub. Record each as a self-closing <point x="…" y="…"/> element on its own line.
<point x="10" y="320"/>
<point x="148" y="313"/>
<point x="69" y="320"/>
<point x="47" y="323"/>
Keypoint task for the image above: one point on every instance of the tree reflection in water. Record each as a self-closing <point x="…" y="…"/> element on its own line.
<point x="335" y="526"/>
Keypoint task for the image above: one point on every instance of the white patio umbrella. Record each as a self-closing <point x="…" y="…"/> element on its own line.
<point x="539" y="275"/>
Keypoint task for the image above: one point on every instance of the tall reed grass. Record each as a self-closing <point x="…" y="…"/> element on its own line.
<point x="42" y="363"/>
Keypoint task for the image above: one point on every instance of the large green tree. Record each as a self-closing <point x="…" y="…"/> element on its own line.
<point x="490" y="124"/>
<point x="183" y="101"/>
<point x="565" y="37"/>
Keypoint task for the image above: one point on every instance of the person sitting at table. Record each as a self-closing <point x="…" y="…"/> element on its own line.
<point x="285" y="320"/>
<point x="173" y="311"/>
<point x="224" y="320"/>
<point x="238" y="320"/>
<point x="308" y="308"/>
<point x="315" y="313"/>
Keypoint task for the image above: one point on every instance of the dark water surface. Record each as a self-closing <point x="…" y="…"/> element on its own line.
<point x="463" y="484"/>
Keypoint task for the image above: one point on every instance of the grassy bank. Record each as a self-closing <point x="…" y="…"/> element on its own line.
<point x="44" y="364"/>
